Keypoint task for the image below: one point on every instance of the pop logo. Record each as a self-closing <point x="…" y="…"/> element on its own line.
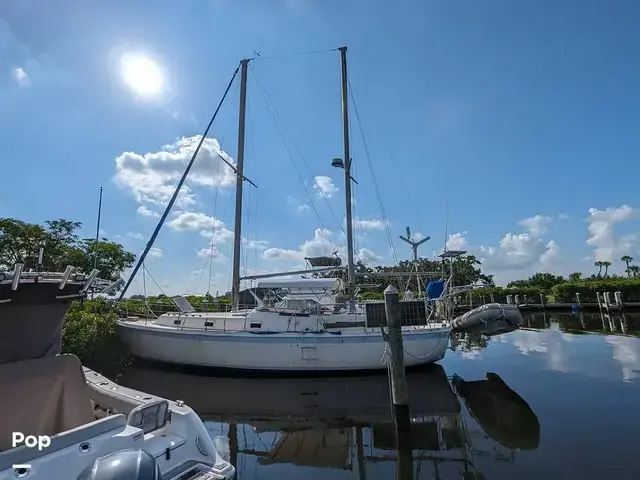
<point x="30" y="441"/>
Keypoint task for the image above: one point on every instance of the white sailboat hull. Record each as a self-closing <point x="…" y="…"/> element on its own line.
<point x="348" y="350"/>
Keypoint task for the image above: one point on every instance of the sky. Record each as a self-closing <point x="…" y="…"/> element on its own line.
<point x="509" y="129"/>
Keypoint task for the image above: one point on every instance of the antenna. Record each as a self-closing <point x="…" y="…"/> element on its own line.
<point x="446" y="227"/>
<point x="414" y="244"/>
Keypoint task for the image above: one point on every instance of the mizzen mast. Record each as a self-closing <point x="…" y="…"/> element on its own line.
<point x="237" y="230"/>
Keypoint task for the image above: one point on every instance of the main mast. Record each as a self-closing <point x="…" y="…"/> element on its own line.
<point x="347" y="167"/>
<point x="237" y="229"/>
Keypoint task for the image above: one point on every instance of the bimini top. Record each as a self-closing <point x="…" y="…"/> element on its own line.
<point x="302" y="283"/>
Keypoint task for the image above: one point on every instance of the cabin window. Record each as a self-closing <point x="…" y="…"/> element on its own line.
<point x="177" y="322"/>
<point x="208" y="324"/>
<point x="255" y="325"/>
<point x="297" y="304"/>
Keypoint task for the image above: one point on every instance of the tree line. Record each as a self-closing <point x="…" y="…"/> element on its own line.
<point x="21" y="241"/>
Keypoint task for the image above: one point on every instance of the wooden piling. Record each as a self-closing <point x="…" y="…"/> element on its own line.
<point x="578" y="302"/>
<point x="404" y="456"/>
<point x="517" y="300"/>
<point x="398" y="381"/>
<point x="509" y="299"/>
<point x="493" y="300"/>
<point x="542" y="301"/>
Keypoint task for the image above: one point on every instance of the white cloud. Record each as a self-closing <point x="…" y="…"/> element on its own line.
<point x="210" y="227"/>
<point x="155" y="252"/>
<point x="369" y="224"/>
<point x="367" y="256"/>
<point x="145" y="212"/>
<point x="135" y="235"/>
<point x="212" y="252"/>
<point x="21" y="77"/>
<point x="551" y="257"/>
<point x="152" y="177"/>
<point x="563" y="216"/>
<point x="304" y="207"/>
<point x="602" y="232"/>
<point x="457" y="241"/>
<point x="417" y="236"/>
<point x="255" y="244"/>
<point x="321" y="245"/>
<point x="194" y="221"/>
<point x="523" y="250"/>
<point x="325" y="187"/>
<point x="626" y="352"/>
<point x="537" y="226"/>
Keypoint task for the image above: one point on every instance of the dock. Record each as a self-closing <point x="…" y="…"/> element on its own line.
<point x="606" y="302"/>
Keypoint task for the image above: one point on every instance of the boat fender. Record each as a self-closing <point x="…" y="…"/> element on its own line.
<point x="123" y="465"/>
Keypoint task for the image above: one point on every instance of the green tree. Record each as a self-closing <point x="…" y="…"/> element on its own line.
<point x="599" y="265"/>
<point x="546" y="281"/>
<point x="627" y="260"/>
<point x="20" y="242"/>
<point x="575" y="277"/>
<point x="606" y="266"/>
<point x="634" y="269"/>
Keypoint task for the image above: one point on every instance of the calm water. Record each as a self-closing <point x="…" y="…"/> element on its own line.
<point x="559" y="399"/>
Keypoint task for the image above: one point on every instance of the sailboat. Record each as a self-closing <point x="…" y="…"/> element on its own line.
<point x="302" y="325"/>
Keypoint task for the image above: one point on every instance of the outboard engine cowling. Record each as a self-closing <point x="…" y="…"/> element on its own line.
<point x="123" y="465"/>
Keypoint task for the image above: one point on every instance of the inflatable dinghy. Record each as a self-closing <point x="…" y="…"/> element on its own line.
<point x="489" y="319"/>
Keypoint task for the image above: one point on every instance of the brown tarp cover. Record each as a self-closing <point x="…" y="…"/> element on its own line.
<point x="44" y="396"/>
<point x="30" y="331"/>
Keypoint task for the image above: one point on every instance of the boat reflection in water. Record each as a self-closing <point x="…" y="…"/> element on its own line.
<point x="345" y="422"/>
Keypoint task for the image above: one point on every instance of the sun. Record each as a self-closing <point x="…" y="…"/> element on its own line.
<point x="141" y="74"/>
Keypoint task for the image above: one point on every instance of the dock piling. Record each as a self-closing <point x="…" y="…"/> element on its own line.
<point x="398" y="381"/>
<point x="578" y="302"/>
<point x="542" y="301"/>
<point x="517" y="300"/>
<point x="493" y="300"/>
<point x="509" y="299"/>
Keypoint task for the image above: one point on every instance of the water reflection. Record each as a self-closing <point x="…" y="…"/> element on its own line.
<point x="301" y="427"/>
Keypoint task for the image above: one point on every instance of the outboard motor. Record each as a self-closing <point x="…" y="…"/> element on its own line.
<point x="123" y="465"/>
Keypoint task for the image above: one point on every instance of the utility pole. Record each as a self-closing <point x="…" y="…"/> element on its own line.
<point x="95" y="247"/>
<point x="237" y="233"/>
<point x="347" y="166"/>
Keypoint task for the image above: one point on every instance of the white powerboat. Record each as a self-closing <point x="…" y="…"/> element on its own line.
<point x="60" y="419"/>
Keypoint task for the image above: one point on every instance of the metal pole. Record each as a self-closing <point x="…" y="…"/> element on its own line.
<point x="399" y="393"/>
<point x="347" y="165"/>
<point x="95" y="247"/>
<point x="237" y="233"/>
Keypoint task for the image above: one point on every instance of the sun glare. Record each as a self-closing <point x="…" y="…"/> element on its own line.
<point x="141" y="74"/>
